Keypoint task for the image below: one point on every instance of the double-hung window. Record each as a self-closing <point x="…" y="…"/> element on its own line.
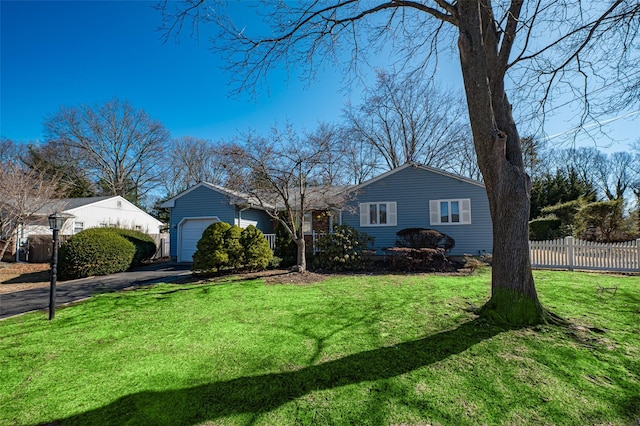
<point x="450" y="212"/>
<point x="378" y="214"/>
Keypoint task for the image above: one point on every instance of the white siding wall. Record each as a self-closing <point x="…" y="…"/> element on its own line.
<point x="112" y="212"/>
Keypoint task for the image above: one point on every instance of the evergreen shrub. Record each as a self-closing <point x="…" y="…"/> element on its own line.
<point x="95" y="251"/>
<point x="257" y="254"/>
<point x="211" y="253"/>
<point x="233" y="247"/>
<point x="545" y="228"/>
<point x="602" y="221"/>
<point x="566" y="212"/>
<point x="342" y="250"/>
<point x="144" y="244"/>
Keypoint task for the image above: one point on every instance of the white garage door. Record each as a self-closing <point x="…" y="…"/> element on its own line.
<point x="190" y="232"/>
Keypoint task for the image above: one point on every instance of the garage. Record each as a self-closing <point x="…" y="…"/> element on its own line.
<point x="189" y="232"/>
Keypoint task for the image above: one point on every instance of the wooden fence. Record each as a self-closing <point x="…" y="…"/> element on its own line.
<point x="570" y="253"/>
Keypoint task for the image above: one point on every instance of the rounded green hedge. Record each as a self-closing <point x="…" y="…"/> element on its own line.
<point x="144" y="244"/>
<point x="545" y="228"/>
<point x="96" y="251"/>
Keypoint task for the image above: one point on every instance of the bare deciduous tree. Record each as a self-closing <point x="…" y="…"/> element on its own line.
<point x="612" y="174"/>
<point x="333" y="166"/>
<point x="361" y="160"/>
<point x="286" y="176"/>
<point x="539" y="47"/>
<point x="10" y="151"/>
<point x="192" y="160"/>
<point x="121" y="146"/>
<point x="463" y="160"/>
<point x="23" y="193"/>
<point x="407" y="119"/>
<point x="616" y="174"/>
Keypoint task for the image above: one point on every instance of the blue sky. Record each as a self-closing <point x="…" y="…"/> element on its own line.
<point x="68" y="53"/>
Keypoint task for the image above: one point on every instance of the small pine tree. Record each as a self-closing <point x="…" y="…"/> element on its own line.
<point x="257" y="253"/>
<point x="211" y="254"/>
<point x="233" y="247"/>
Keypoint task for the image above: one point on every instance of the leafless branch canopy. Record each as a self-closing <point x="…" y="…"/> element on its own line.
<point x="405" y="119"/>
<point x="122" y="146"/>
<point x="23" y="194"/>
<point x="557" y="51"/>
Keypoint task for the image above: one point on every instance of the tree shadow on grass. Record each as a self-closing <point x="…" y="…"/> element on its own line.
<point x="260" y="394"/>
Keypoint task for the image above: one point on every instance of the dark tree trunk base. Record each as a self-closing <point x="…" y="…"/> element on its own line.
<point x="507" y="307"/>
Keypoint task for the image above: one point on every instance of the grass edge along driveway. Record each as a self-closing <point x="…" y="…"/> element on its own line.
<point x="389" y="349"/>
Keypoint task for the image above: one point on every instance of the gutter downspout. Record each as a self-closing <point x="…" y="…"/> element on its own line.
<point x="240" y="214"/>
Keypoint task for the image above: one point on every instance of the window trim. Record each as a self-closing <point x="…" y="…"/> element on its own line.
<point x="464" y="211"/>
<point x="391" y="210"/>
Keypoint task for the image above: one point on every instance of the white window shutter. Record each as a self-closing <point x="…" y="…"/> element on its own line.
<point x="364" y="214"/>
<point x="465" y="211"/>
<point x="392" y="213"/>
<point x="434" y="212"/>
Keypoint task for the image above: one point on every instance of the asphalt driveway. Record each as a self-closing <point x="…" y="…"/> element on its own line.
<point x="23" y="301"/>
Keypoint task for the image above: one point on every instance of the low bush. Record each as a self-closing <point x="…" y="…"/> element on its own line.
<point x="407" y="259"/>
<point x="342" y="250"/>
<point x="547" y="228"/>
<point x="96" y="251"/>
<point x="274" y="263"/>
<point x="257" y="254"/>
<point x="419" y="238"/>
<point x="472" y="262"/>
<point x="144" y="244"/>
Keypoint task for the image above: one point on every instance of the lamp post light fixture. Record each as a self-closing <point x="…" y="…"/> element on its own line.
<point x="56" y="222"/>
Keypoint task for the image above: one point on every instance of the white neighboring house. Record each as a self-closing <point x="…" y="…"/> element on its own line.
<point x="94" y="212"/>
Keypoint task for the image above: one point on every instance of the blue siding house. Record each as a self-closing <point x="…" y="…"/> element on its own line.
<point x="417" y="196"/>
<point x="203" y="204"/>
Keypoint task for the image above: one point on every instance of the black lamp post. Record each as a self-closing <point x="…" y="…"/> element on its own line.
<point x="56" y="222"/>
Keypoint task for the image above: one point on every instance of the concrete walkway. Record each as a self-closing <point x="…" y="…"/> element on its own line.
<point x="23" y="301"/>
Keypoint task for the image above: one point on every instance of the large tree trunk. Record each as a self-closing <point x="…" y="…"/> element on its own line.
<point x="497" y="144"/>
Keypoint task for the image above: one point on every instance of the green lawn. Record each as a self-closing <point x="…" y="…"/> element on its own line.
<point x="371" y="350"/>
